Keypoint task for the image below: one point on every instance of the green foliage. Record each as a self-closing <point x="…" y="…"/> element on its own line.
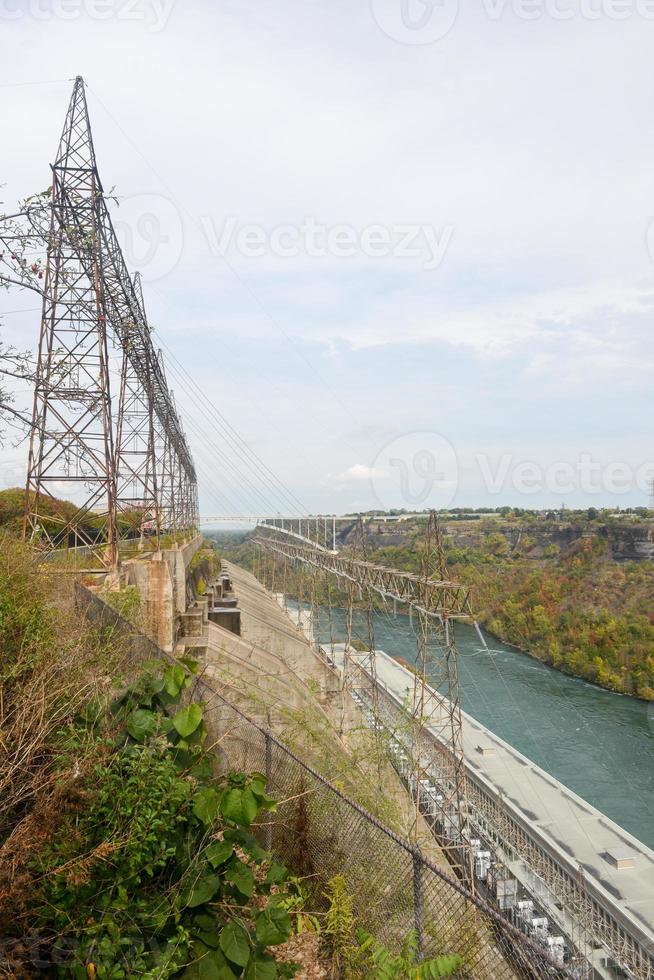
<point x="27" y="624"/>
<point x="205" y="556"/>
<point x="155" y="871"/>
<point x="373" y="960"/>
<point x="339" y="929"/>
<point x="572" y="607"/>
<point x="51" y="662"/>
<point x="126" y="601"/>
<point x="579" y="612"/>
<point x="357" y="955"/>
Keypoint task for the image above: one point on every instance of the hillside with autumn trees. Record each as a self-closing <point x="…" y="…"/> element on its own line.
<point x="572" y="606"/>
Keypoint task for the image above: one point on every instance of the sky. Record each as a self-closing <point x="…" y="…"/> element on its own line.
<point x="404" y="247"/>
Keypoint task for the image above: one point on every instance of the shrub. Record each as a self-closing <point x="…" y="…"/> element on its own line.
<point x="153" y="868"/>
<point x="51" y="664"/>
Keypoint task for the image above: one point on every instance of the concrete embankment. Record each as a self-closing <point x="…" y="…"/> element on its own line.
<point x="276" y="677"/>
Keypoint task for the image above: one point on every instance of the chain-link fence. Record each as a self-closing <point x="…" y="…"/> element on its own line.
<point x="319" y="833"/>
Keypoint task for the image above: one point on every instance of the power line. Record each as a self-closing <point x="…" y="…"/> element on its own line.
<point x="232" y="435"/>
<point x="47" y="81"/>
<point x="231" y="268"/>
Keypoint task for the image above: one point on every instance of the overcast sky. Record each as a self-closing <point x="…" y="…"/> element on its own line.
<point x="403" y="248"/>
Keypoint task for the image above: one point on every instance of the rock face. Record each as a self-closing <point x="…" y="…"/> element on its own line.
<point x="627" y="541"/>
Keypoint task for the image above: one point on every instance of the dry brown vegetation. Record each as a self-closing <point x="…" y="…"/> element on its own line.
<point x="51" y="668"/>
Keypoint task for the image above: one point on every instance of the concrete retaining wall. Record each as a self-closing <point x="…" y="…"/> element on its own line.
<point x="161" y="581"/>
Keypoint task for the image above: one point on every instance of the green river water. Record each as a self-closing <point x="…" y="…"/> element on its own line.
<point x="599" y="744"/>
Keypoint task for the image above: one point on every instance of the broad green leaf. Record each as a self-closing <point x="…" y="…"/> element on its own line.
<point x="273" y="925"/>
<point x="261" y="968"/>
<point x="214" y="966"/>
<point x="249" y="843"/>
<point x="209" y="938"/>
<point x="153" y="685"/>
<point x="173" y="680"/>
<point x="201" y="767"/>
<point x="188" y="719"/>
<point x="209" y="965"/>
<point x="258" y="788"/>
<point x="241" y="877"/>
<point x="199" y="735"/>
<point x="203" y="920"/>
<point x="250" y="806"/>
<point x="141" y="723"/>
<point x="231" y="805"/>
<point x="182" y="759"/>
<point x="276" y="874"/>
<point x="258" y="784"/>
<point x="205" y="928"/>
<point x="234" y="942"/>
<point x="205" y="804"/>
<point x="219" y="852"/>
<point x="192" y="665"/>
<point x="201" y="890"/>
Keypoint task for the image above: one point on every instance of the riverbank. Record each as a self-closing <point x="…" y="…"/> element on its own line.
<point x="574" y="608"/>
<point x="523" y="651"/>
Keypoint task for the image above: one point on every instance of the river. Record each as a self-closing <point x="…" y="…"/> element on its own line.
<point x="599" y="744"/>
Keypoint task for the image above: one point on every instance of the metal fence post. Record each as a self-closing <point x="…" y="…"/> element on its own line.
<point x="417" y="901"/>
<point x="268" y="828"/>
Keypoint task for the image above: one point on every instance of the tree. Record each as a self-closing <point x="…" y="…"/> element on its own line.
<point x="23" y="235"/>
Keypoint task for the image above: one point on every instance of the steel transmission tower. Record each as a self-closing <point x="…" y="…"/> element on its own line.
<point x="129" y="471"/>
<point x="435" y="604"/>
<point x="71" y="440"/>
<point x="137" y="500"/>
<point x="437" y="701"/>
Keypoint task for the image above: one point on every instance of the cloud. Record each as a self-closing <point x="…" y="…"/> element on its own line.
<point x="535" y="326"/>
<point x="359" y="473"/>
